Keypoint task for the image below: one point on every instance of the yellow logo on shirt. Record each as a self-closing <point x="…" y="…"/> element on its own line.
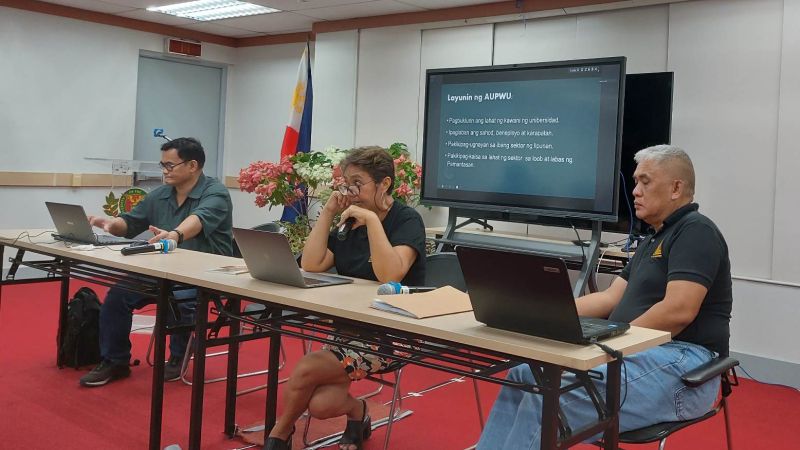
<point x="657" y="252"/>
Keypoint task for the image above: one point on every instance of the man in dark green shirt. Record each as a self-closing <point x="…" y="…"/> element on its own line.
<point x="193" y="210"/>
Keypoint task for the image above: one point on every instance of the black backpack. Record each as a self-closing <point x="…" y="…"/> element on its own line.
<point x="80" y="345"/>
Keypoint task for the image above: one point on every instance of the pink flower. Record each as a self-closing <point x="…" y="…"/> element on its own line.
<point x="401" y="174"/>
<point x="270" y="188"/>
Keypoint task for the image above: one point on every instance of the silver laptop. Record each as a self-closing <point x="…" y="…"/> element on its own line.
<point x="268" y="257"/>
<point x="72" y="225"/>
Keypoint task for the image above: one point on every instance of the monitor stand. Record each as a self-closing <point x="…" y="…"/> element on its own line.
<point x="587" y="257"/>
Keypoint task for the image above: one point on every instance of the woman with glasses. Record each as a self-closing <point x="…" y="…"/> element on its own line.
<point x="386" y="243"/>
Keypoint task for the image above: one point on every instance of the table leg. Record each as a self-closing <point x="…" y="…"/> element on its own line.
<point x="272" y="382"/>
<point x="232" y="383"/>
<point x="613" y="388"/>
<point x="550" y="398"/>
<point x="157" y="392"/>
<point x="198" y="376"/>
<point x="62" y="315"/>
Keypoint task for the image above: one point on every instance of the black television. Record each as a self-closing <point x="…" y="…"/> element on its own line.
<point x="525" y="140"/>
<point x="647" y="121"/>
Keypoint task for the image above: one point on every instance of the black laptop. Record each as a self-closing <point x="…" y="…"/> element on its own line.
<point x="529" y="294"/>
<point x="73" y="226"/>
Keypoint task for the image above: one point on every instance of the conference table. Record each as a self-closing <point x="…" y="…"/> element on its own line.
<point x="454" y="343"/>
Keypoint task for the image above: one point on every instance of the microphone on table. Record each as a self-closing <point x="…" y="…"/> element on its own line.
<point x="344" y="228"/>
<point x="394" y="287"/>
<point x="162" y="246"/>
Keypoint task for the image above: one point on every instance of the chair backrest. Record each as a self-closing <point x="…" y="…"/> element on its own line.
<point x="443" y="269"/>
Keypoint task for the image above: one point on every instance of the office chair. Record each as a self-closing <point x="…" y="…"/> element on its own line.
<point x="441" y="269"/>
<point x="251" y="309"/>
<point x="723" y="367"/>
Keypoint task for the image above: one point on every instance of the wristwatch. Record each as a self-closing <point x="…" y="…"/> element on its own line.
<point x="180" y="236"/>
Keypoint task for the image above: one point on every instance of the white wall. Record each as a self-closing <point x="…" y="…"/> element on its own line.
<point x="260" y="90"/>
<point x="735" y="111"/>
<point x="68" y="91"/>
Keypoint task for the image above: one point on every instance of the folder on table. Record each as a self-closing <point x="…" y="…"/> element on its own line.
<point x="438" y="302"/>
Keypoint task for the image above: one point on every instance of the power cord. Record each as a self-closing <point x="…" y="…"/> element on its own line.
<point x="617" y="354"/>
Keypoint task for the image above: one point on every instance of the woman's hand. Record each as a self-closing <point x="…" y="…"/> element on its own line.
<point x="336" y="203"/>
<point x="361" y="216"/>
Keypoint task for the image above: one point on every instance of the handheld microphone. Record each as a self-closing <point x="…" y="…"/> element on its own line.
<point x="394" y="287"/>
<point x="344" y="228"/>
<point x="162" y="246"/>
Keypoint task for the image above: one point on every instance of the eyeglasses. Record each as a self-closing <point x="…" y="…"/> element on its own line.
<point x="168" y="166"/>
<point x="353" y="189"/>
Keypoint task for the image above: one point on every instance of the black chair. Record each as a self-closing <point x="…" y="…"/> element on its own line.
<point x="722" y="367"/>
<point x="443" y="269"/>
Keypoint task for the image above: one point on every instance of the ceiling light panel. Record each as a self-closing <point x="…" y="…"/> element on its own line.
<point x="206" y="10"/>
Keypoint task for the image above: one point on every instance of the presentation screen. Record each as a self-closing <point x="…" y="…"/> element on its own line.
<point x="538" y="139"/>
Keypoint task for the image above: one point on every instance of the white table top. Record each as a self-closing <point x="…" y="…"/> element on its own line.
<point x="349" y="301"/>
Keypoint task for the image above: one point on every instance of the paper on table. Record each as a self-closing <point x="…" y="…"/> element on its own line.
<point x="230" y="270"/>
<point x="438" y="302"/>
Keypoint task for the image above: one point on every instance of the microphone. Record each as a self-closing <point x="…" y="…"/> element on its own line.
<point x="162" y="246"/>
<point x="394" y="287"/>
<point x="344" y="228"/>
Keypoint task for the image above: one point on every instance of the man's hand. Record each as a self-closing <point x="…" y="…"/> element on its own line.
<point x="159" y="234"/>
<point x="100" y="222"/>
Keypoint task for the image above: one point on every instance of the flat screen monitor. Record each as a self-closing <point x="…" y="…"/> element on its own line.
<point x="647" y="121"/>
<point x="527" y="139"/>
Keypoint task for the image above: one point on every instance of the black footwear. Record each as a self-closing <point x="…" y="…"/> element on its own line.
<point x="357" y="431"/>
<point x="104" y="372"/>
<point x="273" y="443"/>
<point x="172" y="369"/>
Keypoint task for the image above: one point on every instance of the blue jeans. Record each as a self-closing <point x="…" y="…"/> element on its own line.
<point x="116" y="317"/>
<point x="655" y="393"/>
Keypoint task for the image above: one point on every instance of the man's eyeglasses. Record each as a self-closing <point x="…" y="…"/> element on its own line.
<point x="168" y="166"/>
<point x="353" y="189"/>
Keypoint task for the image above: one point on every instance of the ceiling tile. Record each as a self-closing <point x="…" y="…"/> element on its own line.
<point x="297" y="5"/>
<point x="440" y="4"/>
<point x="141" y="4"/>
<point x="374" y="8"/>
<point x="220" y="30"/>
<point x="150" y="16"/>
<point x="270" y="23"/>
<point x="92" y="5"/>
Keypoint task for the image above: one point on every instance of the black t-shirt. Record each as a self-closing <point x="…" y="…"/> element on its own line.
<point x="403" y="226"/>
<point x="688" y="247"/>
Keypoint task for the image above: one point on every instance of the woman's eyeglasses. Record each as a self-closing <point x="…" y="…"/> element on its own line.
<point x="168" y="166"/>
<point x="353" y="189"/>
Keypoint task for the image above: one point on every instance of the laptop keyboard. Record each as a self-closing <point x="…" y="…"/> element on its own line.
<point x="591" y="327"/>
<point x="311" y="281"/>
<point x="114" y="240"/>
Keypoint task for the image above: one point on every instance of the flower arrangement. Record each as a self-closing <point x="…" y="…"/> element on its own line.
<point x="313" y="176"/>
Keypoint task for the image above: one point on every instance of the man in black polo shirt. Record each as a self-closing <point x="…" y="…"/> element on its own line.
<point x="193" y="210"/>
<point x="679" y="281"/>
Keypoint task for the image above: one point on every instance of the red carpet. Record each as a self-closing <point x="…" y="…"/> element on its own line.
<point x="43" y="407"/>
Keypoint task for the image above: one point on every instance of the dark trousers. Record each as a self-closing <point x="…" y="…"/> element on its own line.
<point x="116" y="317"/>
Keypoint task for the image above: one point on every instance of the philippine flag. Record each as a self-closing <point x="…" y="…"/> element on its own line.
<point x="297" y="137"/>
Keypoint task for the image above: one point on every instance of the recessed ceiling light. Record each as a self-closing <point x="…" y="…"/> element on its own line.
<point x="212" y="9"/>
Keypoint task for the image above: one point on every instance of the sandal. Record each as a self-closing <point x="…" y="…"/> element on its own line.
<point x="357" y="431"/>
<point x="273" y="443"/>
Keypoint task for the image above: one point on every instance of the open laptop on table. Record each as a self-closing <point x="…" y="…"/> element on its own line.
<point x="73" y="226"/>
<point x="528" y="294"/>
<point x="268" y="257"/>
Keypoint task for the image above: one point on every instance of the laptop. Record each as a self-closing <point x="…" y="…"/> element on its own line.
<point x="73" y="226"/>
<point x="268" y="257"/>
<point x="529" y="294"/>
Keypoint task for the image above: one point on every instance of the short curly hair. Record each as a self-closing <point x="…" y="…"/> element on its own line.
<point x="374" y="160"/>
